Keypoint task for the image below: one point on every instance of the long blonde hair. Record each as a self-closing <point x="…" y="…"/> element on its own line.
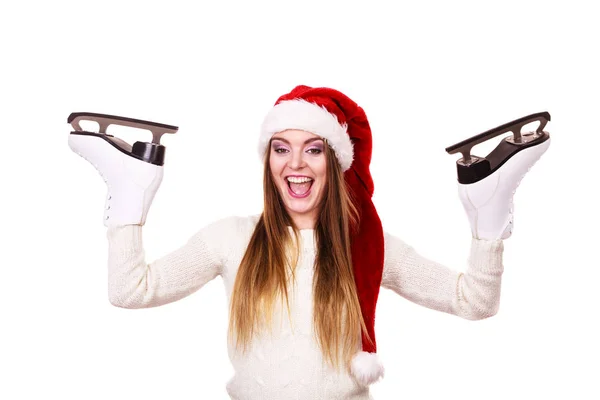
<point x="262" y="276"/>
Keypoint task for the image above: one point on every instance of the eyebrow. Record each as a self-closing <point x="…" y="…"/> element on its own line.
<point x="307" y="141"/>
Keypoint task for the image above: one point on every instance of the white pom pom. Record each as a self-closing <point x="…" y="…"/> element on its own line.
<point x="367" y="368"/>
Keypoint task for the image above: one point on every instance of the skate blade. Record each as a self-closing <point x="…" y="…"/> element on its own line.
<point x="104" y="121"/>
<point x="151" y="152"/>
<point x="472" y="168"/>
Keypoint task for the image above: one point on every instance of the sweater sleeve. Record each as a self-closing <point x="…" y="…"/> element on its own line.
<point x="473" y="294"/>
<point x="134" y="283"/>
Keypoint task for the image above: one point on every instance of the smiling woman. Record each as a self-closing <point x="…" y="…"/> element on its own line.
<point x="303" y="277"/>
<point x="321" y="217"/>
<point x="298" y="166"/>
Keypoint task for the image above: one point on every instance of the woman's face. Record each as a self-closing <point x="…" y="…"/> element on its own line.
<point x="298" y="165"/>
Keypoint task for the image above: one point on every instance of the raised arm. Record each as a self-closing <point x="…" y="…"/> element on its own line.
<point x="133" y="175"/>
<point x="133" y="283"/>
<point x="472" y="293"/>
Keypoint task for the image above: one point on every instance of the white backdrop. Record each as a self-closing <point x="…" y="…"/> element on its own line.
<point x="428" y="76"/>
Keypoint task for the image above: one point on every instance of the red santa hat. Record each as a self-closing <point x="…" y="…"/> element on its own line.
<point x="332" y="115"/>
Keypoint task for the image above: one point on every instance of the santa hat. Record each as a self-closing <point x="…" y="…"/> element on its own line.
<point x="332" y="115"/>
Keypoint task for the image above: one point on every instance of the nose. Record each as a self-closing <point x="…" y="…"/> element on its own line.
<point x="297" y="160"/>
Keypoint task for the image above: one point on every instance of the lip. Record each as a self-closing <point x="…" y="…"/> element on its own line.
<point x="295" y="196"/>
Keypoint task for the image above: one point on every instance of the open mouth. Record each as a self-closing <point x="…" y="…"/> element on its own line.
<point x="299" y="187"/>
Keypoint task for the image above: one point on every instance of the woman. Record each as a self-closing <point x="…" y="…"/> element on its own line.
<point x="303" y="277"/>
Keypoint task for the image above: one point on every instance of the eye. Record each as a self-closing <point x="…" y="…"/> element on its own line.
<point x="280" y="150"/>
<point x="315" y="151"/>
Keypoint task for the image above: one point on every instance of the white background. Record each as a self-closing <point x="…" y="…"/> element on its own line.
<point x="427" y="75"/>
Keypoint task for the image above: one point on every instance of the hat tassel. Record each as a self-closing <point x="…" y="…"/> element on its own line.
<point x="367" y="368"/>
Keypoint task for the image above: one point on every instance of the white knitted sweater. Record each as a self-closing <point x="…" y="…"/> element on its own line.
<point x="287" y="363"/>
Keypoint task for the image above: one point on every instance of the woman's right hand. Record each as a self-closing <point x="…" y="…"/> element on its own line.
<point x="133" y="174"/>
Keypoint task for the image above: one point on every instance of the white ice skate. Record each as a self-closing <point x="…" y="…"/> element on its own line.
<point x="133" y="174"/>
<point x="486" y="185"/>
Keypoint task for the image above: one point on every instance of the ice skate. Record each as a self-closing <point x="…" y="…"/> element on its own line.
<point x="132" y="173"/>
<point x="487" y="184"/>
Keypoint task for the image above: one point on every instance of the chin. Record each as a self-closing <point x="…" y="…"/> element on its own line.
<point x="300" y="211"/>
<point x="294" y="207"/>
<point x="300" y="207"/>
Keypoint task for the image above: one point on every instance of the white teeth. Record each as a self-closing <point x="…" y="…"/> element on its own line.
<point x="298" y="180"/>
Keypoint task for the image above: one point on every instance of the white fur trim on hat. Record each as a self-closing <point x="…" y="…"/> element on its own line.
<point x="303" y="115"/>
<point x="367" y="368"/>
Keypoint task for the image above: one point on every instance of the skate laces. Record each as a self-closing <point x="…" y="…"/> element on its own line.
<point x="108" y="194"/>
<point x="511" y="210"/>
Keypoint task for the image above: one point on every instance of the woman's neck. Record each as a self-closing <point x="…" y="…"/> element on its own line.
<point x="304" y="221"/>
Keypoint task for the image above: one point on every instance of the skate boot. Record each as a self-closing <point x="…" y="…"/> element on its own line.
<point x="133" y="174"/>
<point x="486" y="185"/>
